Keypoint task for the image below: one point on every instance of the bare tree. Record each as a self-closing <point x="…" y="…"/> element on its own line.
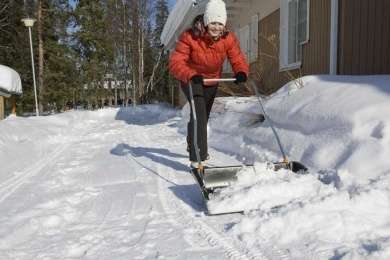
<point x="4" y="23"/>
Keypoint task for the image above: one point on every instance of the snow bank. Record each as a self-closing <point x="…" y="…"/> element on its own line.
<point x="340" y="128"/>
<point x="10" y="80"/>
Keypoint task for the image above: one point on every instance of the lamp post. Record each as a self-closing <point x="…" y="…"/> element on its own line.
<point x="29" y="23"/>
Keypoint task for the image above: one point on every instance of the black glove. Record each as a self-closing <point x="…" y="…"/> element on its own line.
<point x="197" y="79"/>
<point x="240" y="77"/>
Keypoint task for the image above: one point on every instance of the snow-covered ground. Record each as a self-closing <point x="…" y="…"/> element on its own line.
<point x="114" y="183"/>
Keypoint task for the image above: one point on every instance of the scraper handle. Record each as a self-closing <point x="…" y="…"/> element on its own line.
<point x="220" y="80"/>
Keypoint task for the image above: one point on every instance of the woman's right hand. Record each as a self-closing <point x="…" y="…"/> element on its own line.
<point x="197" y="79"/>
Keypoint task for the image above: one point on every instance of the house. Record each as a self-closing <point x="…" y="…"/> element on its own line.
<point x="10" y="86"/>
<point x="284" y="39"/>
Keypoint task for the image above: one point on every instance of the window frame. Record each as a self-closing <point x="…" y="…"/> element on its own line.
<point x="284" y="44"/>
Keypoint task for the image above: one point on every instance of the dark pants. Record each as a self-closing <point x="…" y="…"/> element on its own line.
<point x="203" y="99"/>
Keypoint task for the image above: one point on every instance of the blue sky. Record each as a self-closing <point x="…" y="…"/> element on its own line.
<point x="171" y="3"/>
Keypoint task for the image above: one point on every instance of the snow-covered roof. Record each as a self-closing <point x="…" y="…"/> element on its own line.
<point x="179" y="19"/>
<point x="10" y="82"/>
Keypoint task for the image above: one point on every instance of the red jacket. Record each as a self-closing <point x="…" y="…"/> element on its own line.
<point x="201" y="55"/>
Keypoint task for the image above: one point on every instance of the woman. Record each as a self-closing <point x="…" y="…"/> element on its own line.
<point x="200" y="54"/>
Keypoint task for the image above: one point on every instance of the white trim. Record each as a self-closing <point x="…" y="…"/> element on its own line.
<point x="334" y="37"/>
<point x="284" y="35"/>
<point x="291" y="66"/>
<point x="307" y="24"/>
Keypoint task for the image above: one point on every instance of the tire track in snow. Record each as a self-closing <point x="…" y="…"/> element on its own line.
<point x="11" y="185"/>
<point x="233" y="248"/>
<point x="182" y="217"/>
<point x="185" y="218"/>
<point x="201" y="228"/>
<point x="8" y="187"/>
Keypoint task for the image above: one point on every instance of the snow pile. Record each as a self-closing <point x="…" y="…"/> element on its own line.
<point x="10" y="80"/>
<point x="265" y="190"/>
<point x="340" y="128"/>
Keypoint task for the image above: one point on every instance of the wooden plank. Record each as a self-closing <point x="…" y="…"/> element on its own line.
<point x="317" y="50"/>
<point x="356" y="28"/>
<point x="2" y="115"/>
<point x="326" y="36"/>
<point x="378" y="28"/>
<point x="342" y="37"/>
<point x="327" y="33"/>
<point x="316" y="35"/>
<point x="386" y="38"/>
<point x="362" y="64"/>
<point x="13" y="105"/>
<point x="347" y="35"/>
<point x="371" y="35"/>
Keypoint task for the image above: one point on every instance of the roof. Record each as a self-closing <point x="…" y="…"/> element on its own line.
<point x="10" y="82"/>
<point x="179" y="19"/>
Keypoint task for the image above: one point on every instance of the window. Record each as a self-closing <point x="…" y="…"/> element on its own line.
<point x="248" y="36"/>
<point x="294" y="32"/>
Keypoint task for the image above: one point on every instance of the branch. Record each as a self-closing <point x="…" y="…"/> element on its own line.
<point x="5" y="7"/>
<point x="154" y="70"/>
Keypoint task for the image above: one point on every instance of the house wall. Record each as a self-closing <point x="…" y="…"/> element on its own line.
<point x="315" y="58"/>
<point x="364" y="37"/>
<point x="260" y="7"/>
<point x="268" y="66"/>
<point x="316" y="51"/>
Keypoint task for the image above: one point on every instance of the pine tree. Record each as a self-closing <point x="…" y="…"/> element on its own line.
<point x="94" y="47"/>
<point x="59" y="58"/>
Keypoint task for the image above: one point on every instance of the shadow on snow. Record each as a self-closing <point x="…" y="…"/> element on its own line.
<point x="145" y="114"/>
<point x="190" y="194"/>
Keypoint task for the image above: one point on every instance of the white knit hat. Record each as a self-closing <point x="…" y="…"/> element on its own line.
<point x="215" y="12"/>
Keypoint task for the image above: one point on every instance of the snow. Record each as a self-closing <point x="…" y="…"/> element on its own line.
<point x="10" y="80"/>
<point x="114" y="183"/>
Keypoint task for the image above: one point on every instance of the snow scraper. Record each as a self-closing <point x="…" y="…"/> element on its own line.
<point x="293" y="166"/>
<point x="211" y="179"/>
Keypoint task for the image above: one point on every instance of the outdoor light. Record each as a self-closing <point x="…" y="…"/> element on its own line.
<point x="29" y="22"/>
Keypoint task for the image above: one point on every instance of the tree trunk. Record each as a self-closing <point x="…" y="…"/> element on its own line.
<point x="13" y="104"/>
<point x="140" y="62"/>
<point x="40" y="55"/>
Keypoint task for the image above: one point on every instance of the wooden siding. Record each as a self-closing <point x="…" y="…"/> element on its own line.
<point x="364" y="41"/>
<point x="315" y="53"/>
<point x="267" y="67"/>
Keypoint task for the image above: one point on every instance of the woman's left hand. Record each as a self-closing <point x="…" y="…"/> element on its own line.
<point x="240" y="77"/>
